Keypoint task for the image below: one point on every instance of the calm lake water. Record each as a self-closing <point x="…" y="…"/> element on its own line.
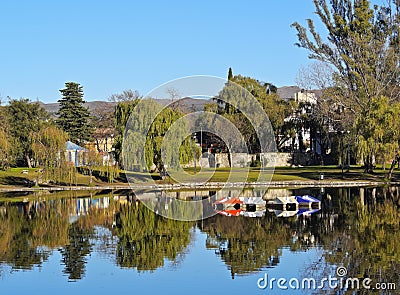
<point x="108" y="243"/>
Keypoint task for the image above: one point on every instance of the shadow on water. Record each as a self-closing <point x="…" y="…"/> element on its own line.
<point x="355" y="227"/>
<point x="16" y="181"/>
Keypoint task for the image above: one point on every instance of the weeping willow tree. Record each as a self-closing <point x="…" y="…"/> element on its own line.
<point x="48" y="145"/>
<point x="5" y="150"/>
<point x="144" y="134"/>
<point x="378" y="131"/>
<point x="187" y="151"/>
<point x="156" y="140"/>
<point x="121" y="116"/>
<point x="363" y="48"/>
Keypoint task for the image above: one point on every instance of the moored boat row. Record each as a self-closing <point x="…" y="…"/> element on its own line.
<point x="256" y="207"/>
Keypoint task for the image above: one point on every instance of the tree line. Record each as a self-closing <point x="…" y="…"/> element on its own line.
<point x="358" y="108"/>
<point x="31" y="137"/>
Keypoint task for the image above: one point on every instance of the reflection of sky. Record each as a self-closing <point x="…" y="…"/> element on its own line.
<point x="201" y="272"/>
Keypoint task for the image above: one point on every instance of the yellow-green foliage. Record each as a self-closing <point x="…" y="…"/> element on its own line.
<point x="145" y="238"/>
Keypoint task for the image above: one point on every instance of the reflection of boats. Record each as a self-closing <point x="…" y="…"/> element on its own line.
<point x="306" y="212"/>
<point x="308" y="201"/>
<point x="283" y="204"/>
<point x="298" y="212"/>
<point x="283" y="213"/>
<point x="249" y="207"/>
<point x="231" y="212"/>
<point x="240" y="212"/>
<point x="294" y="205"/>
<point x="254" y="214"/>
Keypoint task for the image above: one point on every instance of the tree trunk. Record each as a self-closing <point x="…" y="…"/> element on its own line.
<point x="392" y="167"/>
<point x="28" y="160"/>
<point x="369" y="165"/>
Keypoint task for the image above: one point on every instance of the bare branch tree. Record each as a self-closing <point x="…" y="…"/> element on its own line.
<point x="173" y="93"/>
<point x="126" y="95"/>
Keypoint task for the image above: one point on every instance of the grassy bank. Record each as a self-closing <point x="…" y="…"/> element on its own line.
<point x="24" y="177"/>
<point x="331" y="173"/>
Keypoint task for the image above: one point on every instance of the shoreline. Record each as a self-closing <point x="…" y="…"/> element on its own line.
<point x="208" y="185"/>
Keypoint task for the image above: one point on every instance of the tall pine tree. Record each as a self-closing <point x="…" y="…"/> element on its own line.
<point x="230" y="75"/>
<point x="73" y="117"/>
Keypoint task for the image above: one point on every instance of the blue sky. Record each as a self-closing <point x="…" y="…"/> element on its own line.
<point x="110" y="46"/>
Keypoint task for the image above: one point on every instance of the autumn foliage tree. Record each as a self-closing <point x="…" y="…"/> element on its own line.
<point x="5" y="144"/>
<point x="5" y="150"/>
<point x="24" y="117"/>
<point x="362" y="46"/>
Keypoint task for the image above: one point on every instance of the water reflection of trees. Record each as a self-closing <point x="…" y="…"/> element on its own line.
<point x="75" y="252"/>
<point x="26" y="235"/>
<point x="356" y="228"/>
<point x="30" y="231"/>
<point x="364" y="237"/>
<point x="249" y="244"/>
<point x="146" y="239"/>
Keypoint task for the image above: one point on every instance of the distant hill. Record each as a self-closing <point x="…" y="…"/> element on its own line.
<point x="52" y="108"/>
<point x="186" y="105"/>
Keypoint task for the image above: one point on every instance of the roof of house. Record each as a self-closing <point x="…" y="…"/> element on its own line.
<point x="288" y="92"/>
<point x="72" y="146"/>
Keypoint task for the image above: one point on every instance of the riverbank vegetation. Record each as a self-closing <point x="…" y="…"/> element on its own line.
<point x="23" y="178"/>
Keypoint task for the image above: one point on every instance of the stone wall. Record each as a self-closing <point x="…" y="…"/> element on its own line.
<point x="244" y="160"/>
<point x="270" y="159"/>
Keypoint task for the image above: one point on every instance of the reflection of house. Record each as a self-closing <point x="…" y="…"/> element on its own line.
<point x="82" y="206"/>
<point x="75" y="154"/>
